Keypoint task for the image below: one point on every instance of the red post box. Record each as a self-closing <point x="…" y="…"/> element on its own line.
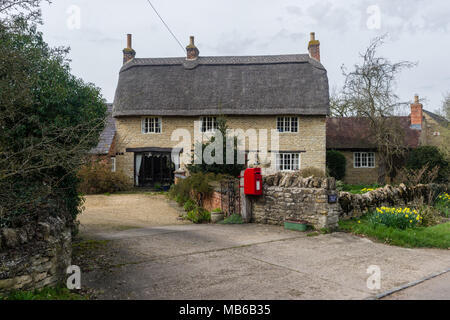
<point x="253" y="183"/>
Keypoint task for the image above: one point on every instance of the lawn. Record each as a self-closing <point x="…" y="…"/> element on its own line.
<point x="437" y="236"/>
<point x="359" y="188"/>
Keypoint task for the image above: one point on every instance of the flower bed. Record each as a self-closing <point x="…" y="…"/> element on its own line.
<point x="401" y="218"/>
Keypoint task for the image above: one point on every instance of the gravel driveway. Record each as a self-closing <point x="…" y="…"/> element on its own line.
<point x="126" y="211"/>
<point x="233" y="261"/>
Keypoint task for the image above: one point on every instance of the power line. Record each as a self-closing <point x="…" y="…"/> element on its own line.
<point x="165" y="24"/>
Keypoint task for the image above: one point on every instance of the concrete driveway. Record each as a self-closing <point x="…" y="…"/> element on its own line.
<point x="249" y="262"/>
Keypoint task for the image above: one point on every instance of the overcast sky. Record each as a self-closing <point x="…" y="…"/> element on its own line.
<point x="419" y="31"/>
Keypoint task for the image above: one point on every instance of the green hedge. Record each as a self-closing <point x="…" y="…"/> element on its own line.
<point x="336" y="164"/>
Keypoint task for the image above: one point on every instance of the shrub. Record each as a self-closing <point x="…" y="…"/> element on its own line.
<point x="189" y="205"/>
<point x="233" y="219"/>
<point x="49" y="121"/>
<point x="180" y="192"/>
<point x="340" y="185"/>
<point x="157" y="186"/>
<point x="196" y="186"/>
<point x="431" y="157"/>
<point x="430" y="216"/>
<point x="336" y="164"/>
<point x="400" y="218"/>
<point x="413" y="177"/>
<point x="199" y="215"/>
<point x="311" y="171"/>
<point x="96" y="177"/>
<point x="443" y="204"/>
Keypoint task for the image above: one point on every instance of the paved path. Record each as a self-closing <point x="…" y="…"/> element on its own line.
<point x="437" y="288"/>
<point x="252" y="262"/>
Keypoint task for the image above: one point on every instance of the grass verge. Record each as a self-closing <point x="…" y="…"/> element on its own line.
<point x="233" y="219"/>
<point x="57" y="293"/>
<point x="437" y="236"/>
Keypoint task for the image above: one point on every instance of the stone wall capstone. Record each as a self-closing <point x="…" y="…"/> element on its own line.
<point x="35" y="255"/>
<point x="289" y="196"/>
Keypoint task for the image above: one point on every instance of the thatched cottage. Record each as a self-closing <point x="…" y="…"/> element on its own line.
<point x="155" y="96"/>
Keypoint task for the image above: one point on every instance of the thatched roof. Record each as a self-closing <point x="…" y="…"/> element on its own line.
<point x="264" y="85"/>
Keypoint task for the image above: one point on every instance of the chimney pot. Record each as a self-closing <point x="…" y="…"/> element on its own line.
<point x="128" y="52"/>
<point x="129" y="40"/>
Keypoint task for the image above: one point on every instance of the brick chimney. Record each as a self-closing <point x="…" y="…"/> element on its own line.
<point x="314" y="47"/>
<point x="128" y="52"/>
<point x="416" y="114"/>
<point x="191" y="50"/>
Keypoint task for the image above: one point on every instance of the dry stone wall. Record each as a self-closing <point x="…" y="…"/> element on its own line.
<point x="35" y="255"/>
<point x="355" y="205"/>
<point x="288" y="196"/>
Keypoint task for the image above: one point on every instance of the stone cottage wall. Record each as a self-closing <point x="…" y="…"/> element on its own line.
<point x="288" y="196"/>
<point x="310" y="140"/>
<point x="355" y="205"/>
<point x="35" y="255"/>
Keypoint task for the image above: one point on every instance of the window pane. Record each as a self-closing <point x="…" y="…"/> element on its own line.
<point x="357" y="157"/>
<point x="279" y="128"/>
<point x="363" y="159"/>
<point x="295" y="164"/>
<point x="371" y="157"/>
<point x="294" y="124"/>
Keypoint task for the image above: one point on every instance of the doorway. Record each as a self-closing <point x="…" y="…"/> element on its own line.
<point x="153" y="168"/>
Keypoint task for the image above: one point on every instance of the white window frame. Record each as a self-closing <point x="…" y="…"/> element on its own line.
<point x="146" y="129"/>
<point x="285" y="161"/>
<point x="211" y="124"/>
<point x="286" y="124"/>
<point x="364" y="160"/>
<point x="113" y="164"/>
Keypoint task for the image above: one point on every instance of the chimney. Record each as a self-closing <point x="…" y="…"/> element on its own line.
<point x="128" y="52"/>
<point x="416" y="114"/>
<point x="191" y="50"/>
<point x="314" y="47"/>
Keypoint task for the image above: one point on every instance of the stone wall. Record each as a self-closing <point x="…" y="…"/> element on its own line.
<point x="35" y="255"/>
<point x="288" y="196"/>
<point x="355" y="205"/>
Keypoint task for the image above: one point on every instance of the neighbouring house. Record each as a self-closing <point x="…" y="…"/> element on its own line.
<point x="105" y="149"/>
<point x="350" y="135"/>
<point x="288" y="94"/>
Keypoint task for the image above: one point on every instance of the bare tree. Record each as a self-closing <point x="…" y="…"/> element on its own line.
<point x="27" y="9"/>
<point x="445" y="110"/>
<point x="369" y="92"/>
